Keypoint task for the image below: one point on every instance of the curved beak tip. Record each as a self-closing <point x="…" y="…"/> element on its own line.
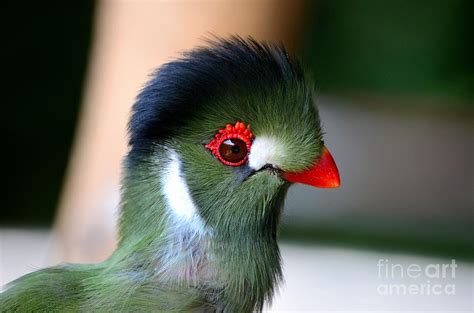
<point x="322" y="174"/>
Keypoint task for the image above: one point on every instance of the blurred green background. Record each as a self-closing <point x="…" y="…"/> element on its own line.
<point x="380" y="61"/>
<point x="392" y="47"/>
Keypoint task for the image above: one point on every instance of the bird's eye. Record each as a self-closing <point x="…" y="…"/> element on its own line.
<point x="231" y="145"/>
<point x="233" y="150"/>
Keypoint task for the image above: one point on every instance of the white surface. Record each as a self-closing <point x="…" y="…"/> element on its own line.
<point x="21" y="252"/>
<point x="334" y="279"/>
<point x="317" y="278"/>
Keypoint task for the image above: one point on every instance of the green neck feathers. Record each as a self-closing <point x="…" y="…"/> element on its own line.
<point x="232" y="256"/>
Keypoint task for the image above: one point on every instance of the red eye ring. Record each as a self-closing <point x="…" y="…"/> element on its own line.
<point x="238" y="131"/>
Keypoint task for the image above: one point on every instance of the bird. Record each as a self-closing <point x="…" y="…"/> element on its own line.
<point x="216" y="138"/>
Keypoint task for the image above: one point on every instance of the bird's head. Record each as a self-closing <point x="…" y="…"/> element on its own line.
<point x="222" y="132"/>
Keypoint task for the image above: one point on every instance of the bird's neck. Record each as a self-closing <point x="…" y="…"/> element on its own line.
<point x="249" y="267"/>
<point x="240" y="271"/>
<point x="239" y="267"/>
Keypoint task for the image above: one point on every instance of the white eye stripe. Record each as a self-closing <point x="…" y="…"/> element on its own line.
<point x="265" y="150"/>
<point x="176" y="193"/>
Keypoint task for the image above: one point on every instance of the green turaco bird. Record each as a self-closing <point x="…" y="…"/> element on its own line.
<point x="216" y="139"/>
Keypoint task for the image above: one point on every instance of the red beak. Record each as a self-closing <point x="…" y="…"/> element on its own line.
<point x="323" y="173"/>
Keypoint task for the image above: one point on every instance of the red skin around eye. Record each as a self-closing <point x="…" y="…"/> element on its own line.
<point x="239" y="131"/>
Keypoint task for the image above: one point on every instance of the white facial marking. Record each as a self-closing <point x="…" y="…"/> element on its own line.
<point x="265" y="150"/>
<point x="177" y="195"/>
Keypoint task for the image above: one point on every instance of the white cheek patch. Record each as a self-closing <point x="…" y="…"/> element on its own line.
<point x="177" y="195"/>
<point x="265" y="150"/>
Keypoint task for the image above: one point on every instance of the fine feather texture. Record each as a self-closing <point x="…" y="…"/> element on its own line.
<point x="265" y="150"/>
<point x="195" y="234"/>
<point x="177" y="196"/>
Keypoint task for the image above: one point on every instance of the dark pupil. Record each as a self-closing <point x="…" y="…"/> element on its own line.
<point x="233" y="150"/>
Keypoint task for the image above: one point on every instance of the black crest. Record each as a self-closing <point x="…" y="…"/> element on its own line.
<point x="179" y="87"/>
